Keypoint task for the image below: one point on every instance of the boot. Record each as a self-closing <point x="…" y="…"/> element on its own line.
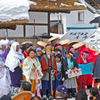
<point x="69" y="95"/>
<point x="73" y="94"/>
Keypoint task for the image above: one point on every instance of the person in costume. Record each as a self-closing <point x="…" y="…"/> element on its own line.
<point x="49" y="69"/>
<point x="65" y="48"/>
<point x="59" y="71"/>
<point x="39" y="53"/>
<point x="73" y="51"/>
<point x="41" y="44"/>
<point x="28" y="46"/>
<point x="92" y="51"/>
<point x="82" y="59"/>
<point x="69" y="64"/>
<point x="58" y="46"/>
<point x="13" y="60"/>
<point x="72" y="43"/>
<point x="4" y="71"/>
<point x="31" y="67"/>
<point x="78" y="49"/>
<point x="9" y="45"/>
<point x="57" y="51"/>
<point x="53" y="40"/>
<point x="23" y="45"/>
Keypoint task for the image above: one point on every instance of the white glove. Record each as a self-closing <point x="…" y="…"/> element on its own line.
<point x="75" y="68"/>
<point x="63" y="79"/>
<point x="69" y="70"/>
<point x="66" y="72"/>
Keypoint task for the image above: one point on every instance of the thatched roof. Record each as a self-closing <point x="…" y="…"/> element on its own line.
<point x="94" y="3"/>
<point x="13" y="27"/>
<point x="14" y="22"/>
<point x="56" y="6"/>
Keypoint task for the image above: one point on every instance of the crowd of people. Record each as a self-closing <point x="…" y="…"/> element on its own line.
<point x="41" y="73"/>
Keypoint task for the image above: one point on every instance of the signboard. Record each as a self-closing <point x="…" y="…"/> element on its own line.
<point x="86" y="68"/>
<point x="74" y="73"/>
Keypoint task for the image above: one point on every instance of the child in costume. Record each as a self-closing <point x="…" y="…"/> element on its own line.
<point x="69" y="64"/>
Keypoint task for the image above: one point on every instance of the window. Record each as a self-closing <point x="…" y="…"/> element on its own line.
<point x="81" y="16"/>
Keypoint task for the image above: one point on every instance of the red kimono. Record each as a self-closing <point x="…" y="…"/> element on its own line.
<point x="90" y="59"/>
<point x="83" y="78"/>
<point x="25" y="53"/>
<point x="44" y="65"/>
<point x="83" y="48"/>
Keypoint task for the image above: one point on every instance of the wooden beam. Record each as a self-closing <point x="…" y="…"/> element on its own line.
<point x="24" y="31"/>
<point x="48" y="23"/>
<point x="40" y="24"/>
<point x="52" y="11"/>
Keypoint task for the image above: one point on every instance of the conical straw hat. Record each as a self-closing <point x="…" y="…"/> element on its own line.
<point x="53" y="38"/>
<point x="92" y="48"/>
<point x="63" y="42"/>
<point x="77" y="45"/>
<point x="41" y="43"/>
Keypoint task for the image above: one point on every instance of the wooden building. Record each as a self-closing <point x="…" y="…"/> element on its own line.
<point x="46" y="6"/>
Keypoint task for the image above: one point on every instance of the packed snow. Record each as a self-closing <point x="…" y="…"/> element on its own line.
<point x="13" y="10"/>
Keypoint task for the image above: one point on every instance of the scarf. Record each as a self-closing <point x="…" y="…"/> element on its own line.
<point x="14" y="57"/>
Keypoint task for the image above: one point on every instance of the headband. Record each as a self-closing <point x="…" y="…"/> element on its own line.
<point x="58" y="47"/>
<point x="70" y="54"/>
<point x="72" y="49"/>
<point x="85" y="54"/>
<point x="48" y="46"/>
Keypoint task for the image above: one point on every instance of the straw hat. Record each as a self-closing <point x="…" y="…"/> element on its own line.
<point x="73" y="42"/>
<point x="97" y="52"/>
<point x="92" y="48"/>
<point x="53" y="38"/>
<point x="41" y="43"/>
<point x="23" y="43"/>
<point x="77" y="45"/>
<point x="63" y="42"/>
<point x="26" y="42"/>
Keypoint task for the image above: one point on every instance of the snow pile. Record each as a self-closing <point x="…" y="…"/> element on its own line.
<point x="46" y="6"/>
<point x="62" y="4"/>
<point x="13" y="10"/>
<point x="80" y="4"/>
<point x="32" y="3"/>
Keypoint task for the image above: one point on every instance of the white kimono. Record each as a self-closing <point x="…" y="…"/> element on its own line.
<point x="28" y="72"/>
<point x="5" y="80"/>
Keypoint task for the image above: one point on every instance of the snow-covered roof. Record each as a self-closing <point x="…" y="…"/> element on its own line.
<point x="13" y="12"/>
<point x="94" y="3"/>
<point x="57" y="5"/>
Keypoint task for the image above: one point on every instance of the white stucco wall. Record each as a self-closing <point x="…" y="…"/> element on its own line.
<point x="72" y="19"/>
<point x="39" y="17"/>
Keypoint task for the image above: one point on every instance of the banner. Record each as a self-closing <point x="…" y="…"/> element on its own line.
<point x="74" y="73"/>
<point x="86" y="68"/>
